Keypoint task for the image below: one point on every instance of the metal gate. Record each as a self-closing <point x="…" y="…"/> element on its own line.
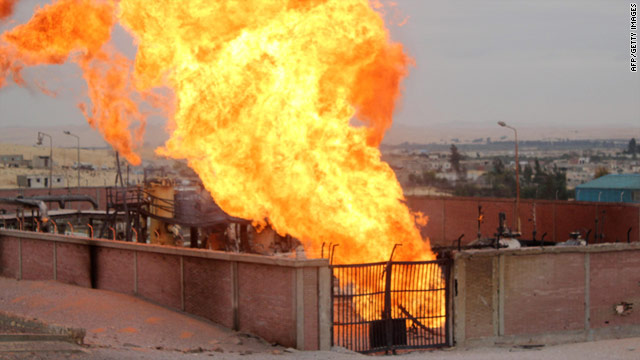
<point x="391" y="305"/>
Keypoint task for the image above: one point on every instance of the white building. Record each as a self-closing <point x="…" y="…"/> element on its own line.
<point x="40" y="181"/>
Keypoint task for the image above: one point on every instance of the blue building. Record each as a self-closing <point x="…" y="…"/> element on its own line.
<point x="611" y="188"/>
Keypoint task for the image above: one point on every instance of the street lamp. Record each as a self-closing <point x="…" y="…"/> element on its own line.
<point x="41" y="135"/>
<point x="503" y="124"/>
<point x="66" y="132"/>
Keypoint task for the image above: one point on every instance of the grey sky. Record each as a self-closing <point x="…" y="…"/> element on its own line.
<point x="530" y="63"/>
<point x="543" y="63"/>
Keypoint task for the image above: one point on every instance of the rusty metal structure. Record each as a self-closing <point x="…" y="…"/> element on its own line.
<point x="160" y="211"/>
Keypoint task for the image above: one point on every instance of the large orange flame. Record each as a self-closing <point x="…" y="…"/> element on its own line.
<point x="266" y="91"/>
<point x="265" y="96"/>
<point x="6" y="8"/>
<point x="78" y="30"/>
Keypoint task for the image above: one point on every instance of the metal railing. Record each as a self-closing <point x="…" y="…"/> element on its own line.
<point x="391" y="305"/>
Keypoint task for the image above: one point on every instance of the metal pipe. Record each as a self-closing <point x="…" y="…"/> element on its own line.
<point x="333" y="252"/>
<point x="114" y="232"/>
<point x="62" y="199"/>
<point x="459" y="239"/>
<point x="55" y="226"/>
<point x="91" y="227"/>
<point x="480" y="220"/>
<point x="71" y="226"/>
<point x="393" y="250"/>
<point x="135" y="232"/>
<point x="33" y="203"/>
<point x="37" y="223"/>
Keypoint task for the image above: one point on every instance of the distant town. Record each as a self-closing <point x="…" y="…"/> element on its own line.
<point x="480" y="167"/>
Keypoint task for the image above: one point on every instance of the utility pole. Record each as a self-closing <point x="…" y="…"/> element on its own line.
<point x="503" y="124"/>
<point x="41" y="135"/>
<point x="78" y="147"/>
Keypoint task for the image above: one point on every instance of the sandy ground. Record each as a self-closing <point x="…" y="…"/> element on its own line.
<point x="126" y="327"/>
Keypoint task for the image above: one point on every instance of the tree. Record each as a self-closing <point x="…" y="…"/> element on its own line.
<point x="539" y="173"/>
<point x="632" y="148"/>
<point x="455" y="159"/>
<point x="600" y="171"/>
<point x="498" y="166"/>
<point x="528" y="174"/>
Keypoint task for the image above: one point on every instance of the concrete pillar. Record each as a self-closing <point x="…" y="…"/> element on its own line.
<point x="325" y="317"/>
<point x="299" y="301"/>
<point x="459" y="300"/>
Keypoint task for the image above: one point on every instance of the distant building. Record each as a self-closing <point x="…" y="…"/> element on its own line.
<point x="577" y="176"/>
<point x="12" y="160"/>
<point x="611" y="188"/>
<point x="40" y="162"/>
<point x="40" y="181"/>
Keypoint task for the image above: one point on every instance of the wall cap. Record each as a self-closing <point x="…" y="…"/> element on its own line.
<point x="522" y="201"/>
<point x="170" y="250"/>
<point x="595" y="248"/>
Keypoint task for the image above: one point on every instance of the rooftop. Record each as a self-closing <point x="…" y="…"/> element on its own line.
<point x="613" y="181"/>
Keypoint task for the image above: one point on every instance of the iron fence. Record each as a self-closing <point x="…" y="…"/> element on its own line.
<point x="391" y="305"/>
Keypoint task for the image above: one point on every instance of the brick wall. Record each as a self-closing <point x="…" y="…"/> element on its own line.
<point x="546" y="295"/>
<point x="449" y="217"/>
<point x="285" y="301"/>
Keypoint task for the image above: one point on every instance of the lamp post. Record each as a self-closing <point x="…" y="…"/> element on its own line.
<point x="41" y="135"/>
<point x="66" y="132"/>
<point x="503" y="124"/>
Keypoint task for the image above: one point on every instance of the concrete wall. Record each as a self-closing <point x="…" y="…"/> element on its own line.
<point x="546" y="295"/>
<point x="449" y="217"/>
<point x="282" y="300"/>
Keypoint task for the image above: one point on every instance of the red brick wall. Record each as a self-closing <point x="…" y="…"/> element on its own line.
<point x="479" y="293"/>
<point x="201" y="282"/>
<point x="9" y="261"/>
<point x="159" y="278"/>
<point x="208" y="282"/>
<point x="114" y="270"/>
<point x="449" y="217"/>
<point x="310" y="300"/>
<point x="265" y="303"/>
<point x="543" y="293"/>
<point x="37" y="260"/>
<point x="616" y="223"/>
<point x="434" y="209"/>
<point x="614" y="278"/>
<point x="572" y="217"/>
<point x="73" y="264"/>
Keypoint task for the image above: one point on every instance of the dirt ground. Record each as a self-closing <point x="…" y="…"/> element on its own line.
<point x="126" y="327"/>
